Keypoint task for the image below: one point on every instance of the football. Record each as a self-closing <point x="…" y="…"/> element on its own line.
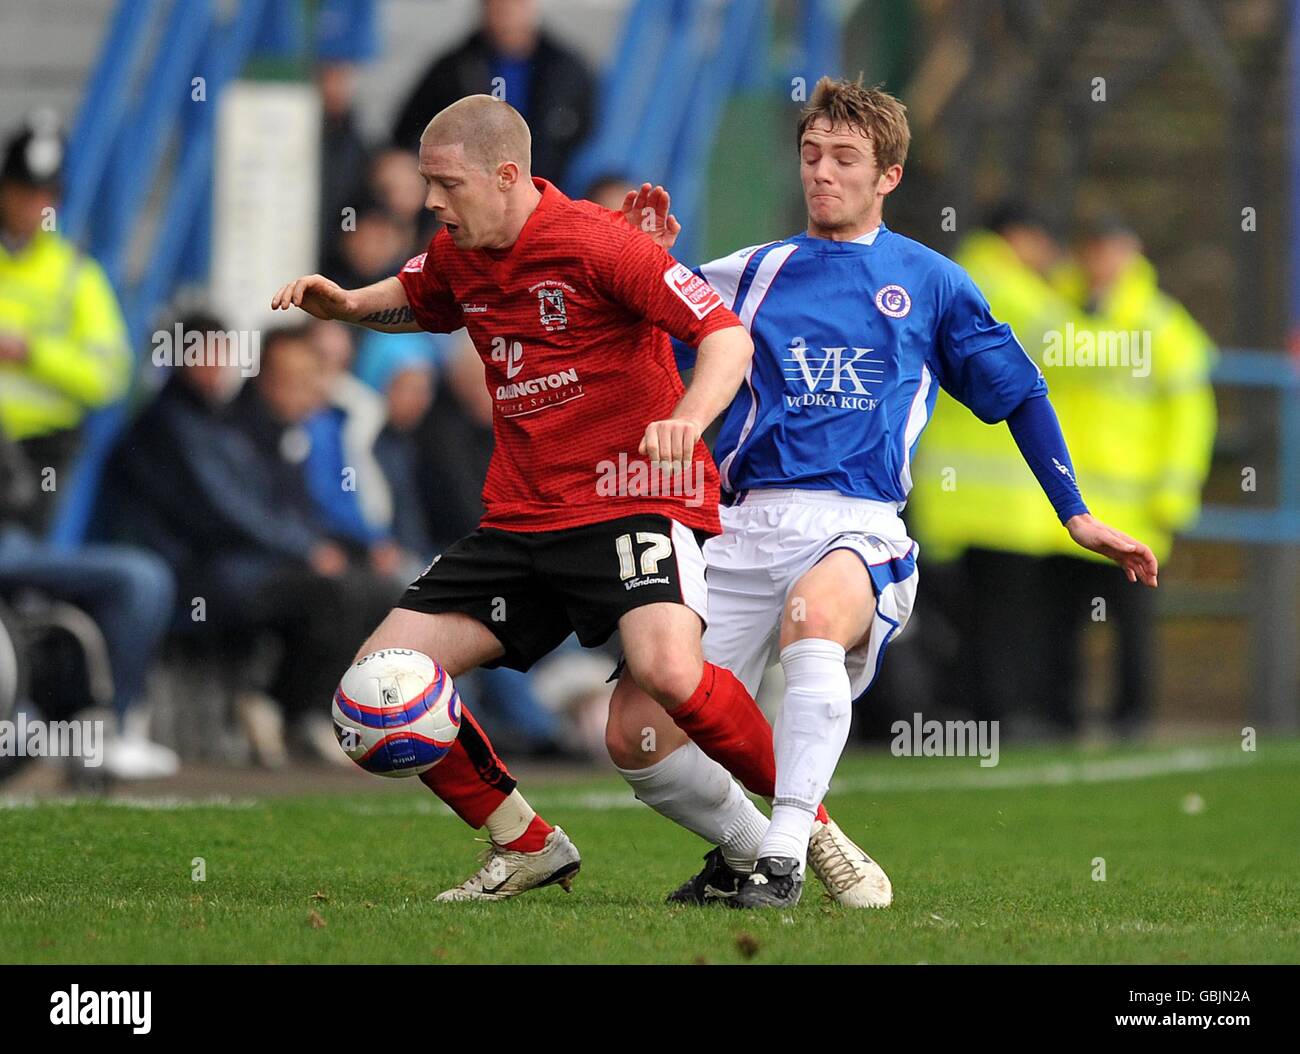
<point x="396" y="712"/>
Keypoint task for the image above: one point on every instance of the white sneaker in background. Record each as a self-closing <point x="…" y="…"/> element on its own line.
<point x="131" y="756"/>
<point x="263" y="723"/>
<point x="316" y="732"/>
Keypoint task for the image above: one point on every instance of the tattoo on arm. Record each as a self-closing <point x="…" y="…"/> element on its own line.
<point x="390" y="316"/>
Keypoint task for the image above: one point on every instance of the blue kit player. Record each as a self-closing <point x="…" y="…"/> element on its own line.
<point x="855" y="328"/>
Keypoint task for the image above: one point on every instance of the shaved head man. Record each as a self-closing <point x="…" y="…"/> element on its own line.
<point x="564" y="301"/>
<point x="476" y="160"/>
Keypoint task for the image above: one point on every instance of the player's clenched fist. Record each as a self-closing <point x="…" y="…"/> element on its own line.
<point x="670" y="444"/>
<point x="316" y="295"/>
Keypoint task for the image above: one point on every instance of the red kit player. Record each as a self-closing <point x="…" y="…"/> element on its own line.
<point x="599" y="490"/>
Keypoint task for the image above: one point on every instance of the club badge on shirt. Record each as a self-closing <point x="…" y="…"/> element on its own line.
<point x="551" y="303"/>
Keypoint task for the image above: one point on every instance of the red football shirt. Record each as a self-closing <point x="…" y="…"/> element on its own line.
<point x="570" y="322"/>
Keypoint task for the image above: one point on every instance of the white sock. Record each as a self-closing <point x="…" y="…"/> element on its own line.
<point x="510" y="819"/>
<point x="810" y="734"/>
<point x="692" y="789"/>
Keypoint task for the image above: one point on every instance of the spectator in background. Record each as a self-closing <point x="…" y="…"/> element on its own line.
<point x="126" y="591"/>
<point x="548" y="84"/>
<point x="396" y="183"/>
<point x="215" y="486"/>
<point x="609" y="192"/>
<point x="344" y="478"/>
<point x="1141" y="422"/>
<point x="455" y="443"/>
<point x="375" y="250"/>
<point x="344" y="155"/>
<point x="975" y="500"/>
<point x="63" y="345"/>
<point x="272" y="412"/>
<point x="401" y="372"/>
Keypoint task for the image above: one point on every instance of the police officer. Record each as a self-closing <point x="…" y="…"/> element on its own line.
<point x="63" y="344"/>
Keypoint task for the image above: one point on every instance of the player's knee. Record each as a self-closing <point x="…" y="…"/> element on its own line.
<point x="670" y="679"/>
<point x="811" y="622"/>
<point x="622" y="746"/>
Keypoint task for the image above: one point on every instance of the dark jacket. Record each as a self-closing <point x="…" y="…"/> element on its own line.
<point x="560" y="101"/>
<point x="189" y="484"/>
<point x="454" y="451"/>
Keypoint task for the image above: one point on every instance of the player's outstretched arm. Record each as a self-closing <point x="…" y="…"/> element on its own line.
<point x="1037" y="432"/>
<point x="1137" y="559"/>
<point x="719" y="370"/>
<point x="382" y="306"/>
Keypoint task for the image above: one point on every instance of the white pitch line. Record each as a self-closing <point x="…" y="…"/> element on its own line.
<point x="1047" y="774"/>
<point x="163" y="804"/>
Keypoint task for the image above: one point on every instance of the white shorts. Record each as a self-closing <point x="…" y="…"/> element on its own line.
<point x="768" y="541"/>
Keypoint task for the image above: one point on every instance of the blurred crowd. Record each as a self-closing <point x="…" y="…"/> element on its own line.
<point x="1014" y="608"/>
<point x="265" y="523"/>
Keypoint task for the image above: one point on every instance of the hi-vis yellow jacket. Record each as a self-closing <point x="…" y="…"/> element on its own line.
<point x="58" y="302"/>
<point x="1140" y="419"/>
<point x="971" y="486"/>
<point x="1130" y="386"/>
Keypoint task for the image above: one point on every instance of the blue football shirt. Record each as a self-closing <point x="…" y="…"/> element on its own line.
<point x="852" y="341"/>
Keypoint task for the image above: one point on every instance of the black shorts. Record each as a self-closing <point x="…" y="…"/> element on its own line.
<point x="533" y="588"/>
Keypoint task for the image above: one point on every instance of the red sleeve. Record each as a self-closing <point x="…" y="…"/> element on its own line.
<point x="431" y="299"/>
<point x="649" y="281"/>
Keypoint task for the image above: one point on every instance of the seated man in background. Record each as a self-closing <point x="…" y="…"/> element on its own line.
<point x="207" y="483"/>
<point x="63" y="344"/>
<point x="126" y="591"/>
<point x="374" y="248"/>
<point x="399" y="372"/>
<point x="344" y="478"/>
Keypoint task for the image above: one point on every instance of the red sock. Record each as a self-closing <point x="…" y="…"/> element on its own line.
<point x="471" y="778"/>
<point x="726" y="723"/>
<point x="533" y="838"/>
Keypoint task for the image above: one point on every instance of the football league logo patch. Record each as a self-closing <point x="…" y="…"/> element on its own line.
<point x="892" y="300"/>
<point x="692" y="290"/>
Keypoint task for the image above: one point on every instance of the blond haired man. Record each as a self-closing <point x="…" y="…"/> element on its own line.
<point x="855" y="329"/>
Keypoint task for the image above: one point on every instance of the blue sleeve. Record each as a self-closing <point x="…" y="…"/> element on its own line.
<point x="339" y="508"/>
<point x="979" y="362"/>
<point x="682" y="352"/>
<point x="1037" y="433"/>
<point x="685" y="356"/>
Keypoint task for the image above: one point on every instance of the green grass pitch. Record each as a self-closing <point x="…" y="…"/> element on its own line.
<point x="1201" y="847"/>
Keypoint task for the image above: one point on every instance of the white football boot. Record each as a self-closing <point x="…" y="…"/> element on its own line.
<point x="507" y="873"/>
<point x="850" y="876"/>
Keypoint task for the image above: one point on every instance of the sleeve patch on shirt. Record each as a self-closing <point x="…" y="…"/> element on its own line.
<point x="415" y="263"/>
<point x="692" y="290"/>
